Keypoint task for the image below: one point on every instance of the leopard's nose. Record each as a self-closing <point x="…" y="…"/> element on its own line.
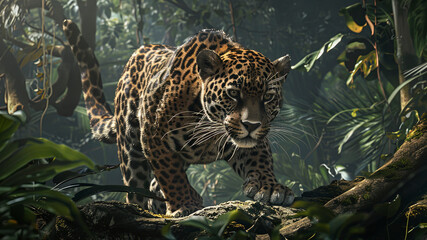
<point x="251" y="126"/>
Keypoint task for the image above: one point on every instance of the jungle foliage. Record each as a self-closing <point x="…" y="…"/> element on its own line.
<point x="28" y="168"/>
<point x="342" y="115"/>
<point x="26" y="164"/>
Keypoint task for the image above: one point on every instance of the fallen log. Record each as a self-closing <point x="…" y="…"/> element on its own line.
<point x="117" y="220"/>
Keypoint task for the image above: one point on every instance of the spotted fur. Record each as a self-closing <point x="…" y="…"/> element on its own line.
<point x="206" y="100"/>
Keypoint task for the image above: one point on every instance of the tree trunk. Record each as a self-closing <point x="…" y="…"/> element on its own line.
<point x="88" y="11"/>
<point x="405" y="52"/>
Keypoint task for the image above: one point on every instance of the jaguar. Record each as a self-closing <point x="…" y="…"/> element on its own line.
<point x="206" y="100"/>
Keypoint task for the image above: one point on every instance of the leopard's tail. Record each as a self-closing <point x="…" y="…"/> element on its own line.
<point x="102" y="120"/>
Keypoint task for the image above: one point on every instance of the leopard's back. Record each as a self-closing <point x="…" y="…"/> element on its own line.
<point x="140" y="86"/>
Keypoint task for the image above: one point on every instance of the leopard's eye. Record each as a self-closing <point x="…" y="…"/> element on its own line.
<point x="233" y="93"/>
<point x="268" y="97"/>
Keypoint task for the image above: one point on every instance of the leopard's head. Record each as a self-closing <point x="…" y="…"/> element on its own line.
<point x="242" y="90"/>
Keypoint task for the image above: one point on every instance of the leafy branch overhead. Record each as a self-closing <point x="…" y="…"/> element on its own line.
<point x="308" y="61"/>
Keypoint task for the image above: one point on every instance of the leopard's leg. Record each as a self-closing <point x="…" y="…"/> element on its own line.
<point x="134" y="166"/>
<point x="156" y="206"/>
<point x="169" y="170"/>
<point x="255" y="166"/>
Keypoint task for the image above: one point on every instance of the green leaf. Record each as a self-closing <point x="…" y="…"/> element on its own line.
<point x="40" y="172"/>
<point x="22" y="214"/>
<point x="167" y="233"/>
<point x="107" y="12"/>
<point x="324" y="172"/>
<point x="8" y="125"/>
<point x="365" y="64"/>
<point x="354" y="16"/>
<point x="396" y="91"/>
<point x="308" y="61"/>
<point x="342" y="223"/>
<point x="39" y="197"/>
<point x="95" y="189"/>
<point x="10" y="148"/>
<point x="38" y="148"/>
<point x="322" y="227"/>
<point x="417" y="19"/>
<point x="7" y="190"/>
<point x="353" y="50"/>
<point x="315" y="210"/>
<point x="199" y="222"/>
<point x="275" y="234"/>
<point x="389" y="209"/>
<point x="337" y="114"/>
<point x="217" y="227"/>
<point x="243" y="235"/>
<point x="222" y="221"/>
<point x="66" y="176"/>
<point x="348" y="135"/>
<point x="49" y="200"/>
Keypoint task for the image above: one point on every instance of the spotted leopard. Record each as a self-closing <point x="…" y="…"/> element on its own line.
<point x="205" y="100"/>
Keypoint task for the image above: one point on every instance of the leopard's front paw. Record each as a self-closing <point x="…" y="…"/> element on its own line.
<point x="275" y="194"/>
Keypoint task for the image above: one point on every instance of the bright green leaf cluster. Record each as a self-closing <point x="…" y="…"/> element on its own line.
<point x="308" y="61"/>
<point x="24" y="163"/>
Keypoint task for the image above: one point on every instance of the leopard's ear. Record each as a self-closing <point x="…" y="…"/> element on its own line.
<point x="209" y="63"/>
<point x="282" y="66"/>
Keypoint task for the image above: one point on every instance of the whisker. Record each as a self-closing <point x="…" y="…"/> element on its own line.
<point x="221" y="149"/>
<point x="285" y="138"/>
<point x="294" y="130"/>
<point x="206" y="137"/>
<point x="192" y="114"/>
<point x="235" y="149"/>
<point x="291" y="135"/>
<point x="275" y="144"/>
<point x="202" y="131"/>
<point x="168" y="132"/>
<point x="185" y="112"/>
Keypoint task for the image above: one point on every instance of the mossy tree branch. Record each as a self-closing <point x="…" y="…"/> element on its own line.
<point x="406" y="169"/>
